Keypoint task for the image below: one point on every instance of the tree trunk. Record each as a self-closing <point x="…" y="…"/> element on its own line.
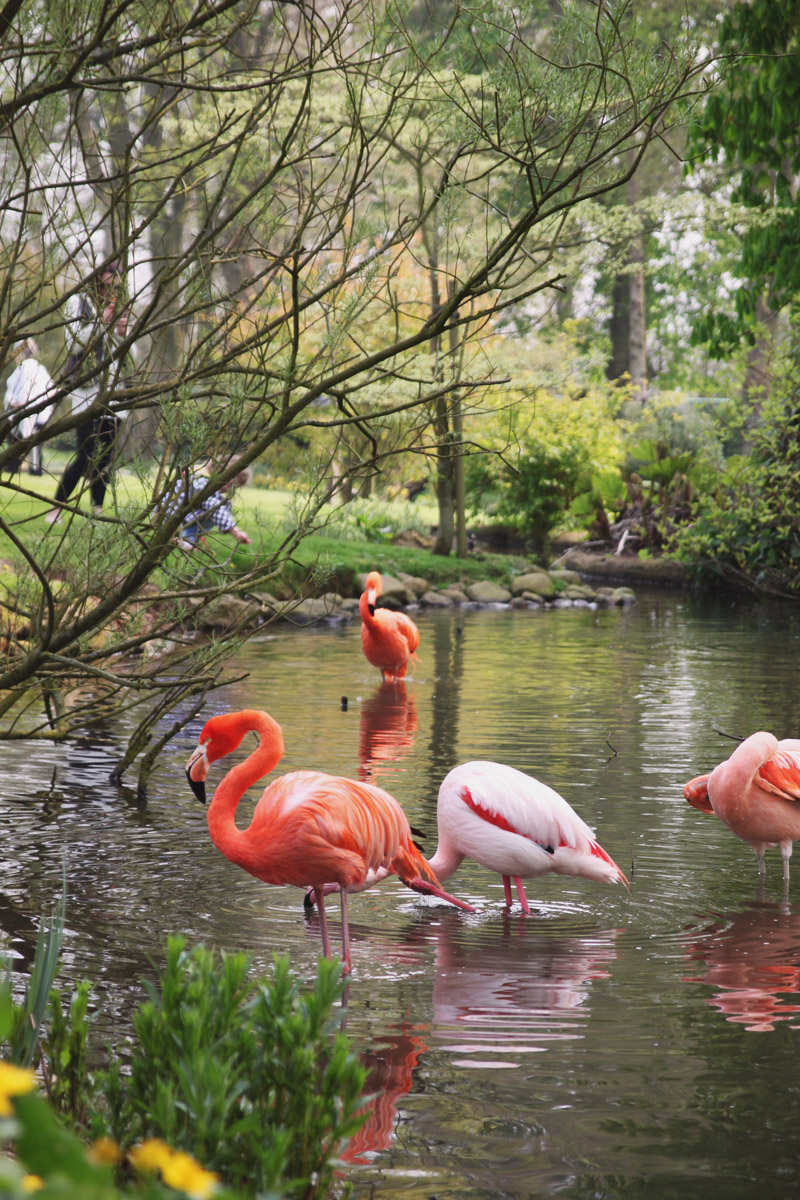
<point x="637" y="315"/>
<point x="758" y="376"/>
<point x="628" y="324"/>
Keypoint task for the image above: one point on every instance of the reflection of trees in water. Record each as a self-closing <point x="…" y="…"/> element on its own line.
<point x="446" y="676"/>
<point x="21" y="935"/>
<point x="752" y="961"/>
<point x="388" y="730"/>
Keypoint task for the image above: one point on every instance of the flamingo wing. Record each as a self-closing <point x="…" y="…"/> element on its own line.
<point x="513" y="801"/>
<point x="408" y="629"/>
<point x="780" y="775"/>
<point x="331" y="829"/>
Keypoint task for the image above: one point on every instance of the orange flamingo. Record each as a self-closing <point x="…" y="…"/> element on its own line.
<point x="755" y="793"/>
<point x="388" y="638"/>
<point x="307" y="828"/>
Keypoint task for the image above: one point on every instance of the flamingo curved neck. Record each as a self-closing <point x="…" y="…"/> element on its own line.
<point x="445" y="861"/>
<point x="225" y="834"/>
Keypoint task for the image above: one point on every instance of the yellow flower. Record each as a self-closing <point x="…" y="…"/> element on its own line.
<point x="150" y="1155"/>
<point x="14" y="1081"/>
<point x="32" y="1183"/>
<point x="105" y="1151"/>
<point x="186" y="1175"/>
<point x="178" y="1170"/>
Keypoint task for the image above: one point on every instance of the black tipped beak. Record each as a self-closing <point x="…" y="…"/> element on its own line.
<point x="198" y="786"/>
<point x="371" y="608"/>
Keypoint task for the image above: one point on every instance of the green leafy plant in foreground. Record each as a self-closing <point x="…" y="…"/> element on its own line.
<point x="252" y="1078"/>
<point x="255" y="1080"/>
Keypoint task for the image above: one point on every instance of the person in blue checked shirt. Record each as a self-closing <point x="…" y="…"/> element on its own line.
<point x="213" y="512"/>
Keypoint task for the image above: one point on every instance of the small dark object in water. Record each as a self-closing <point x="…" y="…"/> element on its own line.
<point x="344" y="703"/>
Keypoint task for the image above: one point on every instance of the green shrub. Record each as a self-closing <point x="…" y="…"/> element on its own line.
<point x="252" y="1078"/>
<point x="747" y="525"/>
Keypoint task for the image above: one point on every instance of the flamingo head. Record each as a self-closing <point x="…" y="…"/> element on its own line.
<point x="220" y="736"/>
<point x="696" y="792"/>
<point x="373" y="588"/>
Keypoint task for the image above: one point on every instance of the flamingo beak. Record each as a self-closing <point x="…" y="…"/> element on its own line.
<point x="196" y="771"/>
<point x="372" y="596"/>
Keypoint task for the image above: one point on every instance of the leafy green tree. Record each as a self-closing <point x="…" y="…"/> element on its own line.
<point x="750" y="120"/>
<point x="248" y="165"/>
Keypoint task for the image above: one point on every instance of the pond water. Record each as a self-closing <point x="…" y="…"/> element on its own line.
<point x="606" y="1045"/>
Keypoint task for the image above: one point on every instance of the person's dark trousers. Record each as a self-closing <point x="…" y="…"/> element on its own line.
<point x="95" y="450"/>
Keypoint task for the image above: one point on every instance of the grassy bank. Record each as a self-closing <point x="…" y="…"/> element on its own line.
<point x="328" y="560"/>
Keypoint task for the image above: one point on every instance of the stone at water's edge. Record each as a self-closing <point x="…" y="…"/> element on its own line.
<point x="392" y="588"/>
<point x="538" y="582"/>
<point x="436" y="600"/>
<point x="488" y="593"/>
<point x="415" y="584"/>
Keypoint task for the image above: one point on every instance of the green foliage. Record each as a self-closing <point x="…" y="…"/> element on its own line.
<point x="253" y="1080"/>
<point x="601" y="499"/>
<point x="545" y="449"/>
<point x="752" y="119"/>
<point x="376" y="520"/>
<point x="22" y="1024"/>
<point x="747" y="526"/>
<point x="64" y="1050"/>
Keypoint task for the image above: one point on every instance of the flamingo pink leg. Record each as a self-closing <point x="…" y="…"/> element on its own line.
<point x="345" y="935"/>
<point x="523" y="899"/>
<point x="507" y="890"/>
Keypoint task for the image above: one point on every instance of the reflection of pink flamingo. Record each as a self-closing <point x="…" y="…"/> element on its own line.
<point x="391" y="1069"/>
<point x="498" y="993"/>
<point x="307" y="828"/>
<point x="512" y="994"/>
<point x="515" y="825"/>
<point x="752" y="960"/>
<point x="755" y="793"/>
<point x="388" y="638"/>
<point x="388" y="729"/>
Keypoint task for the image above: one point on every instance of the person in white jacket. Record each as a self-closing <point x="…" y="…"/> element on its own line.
<point x="26" y="387"/>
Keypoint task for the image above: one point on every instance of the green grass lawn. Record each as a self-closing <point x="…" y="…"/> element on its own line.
<point x="332" y="558"/>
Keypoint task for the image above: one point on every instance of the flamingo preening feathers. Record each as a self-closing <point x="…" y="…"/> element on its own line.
<point x="388" y="638"/>
<point x="308" y="829"/>
<point x="756" y="793"/>
<point x="513" y="824"/>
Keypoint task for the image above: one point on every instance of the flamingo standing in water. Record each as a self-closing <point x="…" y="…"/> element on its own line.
<point x="388" y="638"/>
<point x="308" y="828"/>
<point x="514" y="825"/>
<point x="755" y="793"/>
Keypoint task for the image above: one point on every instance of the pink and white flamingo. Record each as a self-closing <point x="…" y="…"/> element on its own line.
<point x="513" y="824"/>
<point x="755" y="793"/>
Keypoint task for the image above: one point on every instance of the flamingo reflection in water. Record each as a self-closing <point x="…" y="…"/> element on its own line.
<point x="390" y="1067"/>
<point x="752" y="961"/>
<point x="512" y="992"/>
<point x="388" y="730"/>
<point x="501" y="990"/>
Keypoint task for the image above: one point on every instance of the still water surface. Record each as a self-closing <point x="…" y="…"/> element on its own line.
<point x="643" y="1045"/>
